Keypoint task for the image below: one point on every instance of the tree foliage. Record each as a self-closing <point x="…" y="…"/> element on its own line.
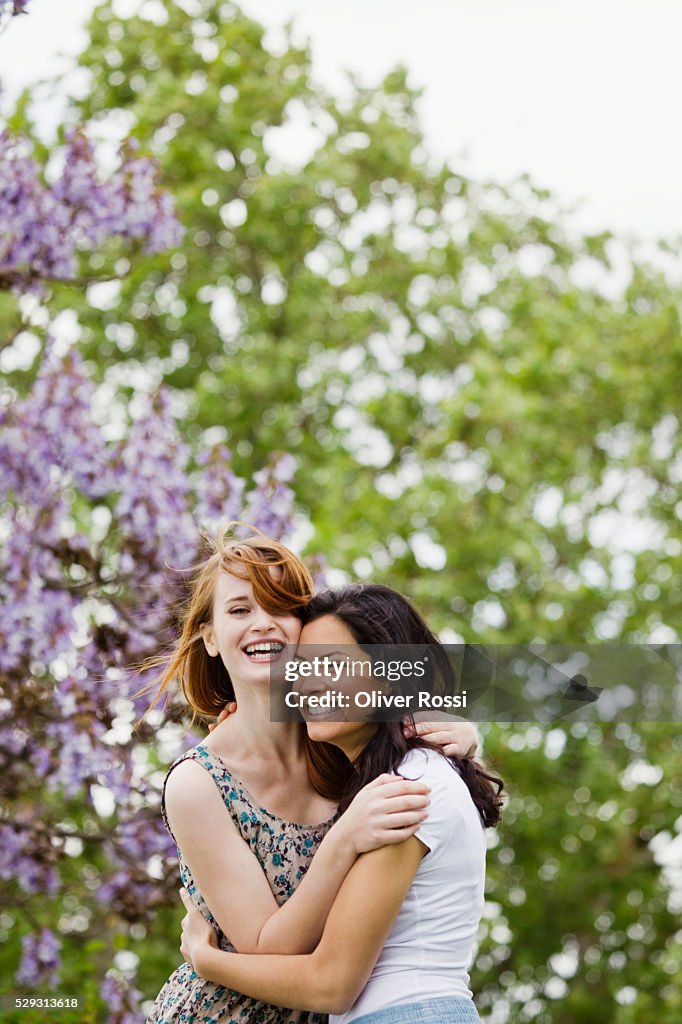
<point x="98" y="532"/>
<point x="463" y="381"/>
<point x="482" y="414"/>
<point x="44" y="226"/>
<point x="583" y="884"/>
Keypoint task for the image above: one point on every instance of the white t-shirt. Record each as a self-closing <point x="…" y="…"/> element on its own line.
<point x="430" y="948"/>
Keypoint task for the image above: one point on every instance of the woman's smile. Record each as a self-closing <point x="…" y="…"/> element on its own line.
<point x="264" y="650"/>
<point x="245" y="635"/>
<point x="348" y="729"/>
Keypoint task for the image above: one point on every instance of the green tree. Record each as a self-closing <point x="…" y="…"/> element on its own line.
<point x="456" y="394"/>
<point x="583" y="919"/>
<point x="480" y="415"/>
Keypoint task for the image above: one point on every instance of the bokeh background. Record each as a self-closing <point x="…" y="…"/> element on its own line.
<point x="383" y="340"/>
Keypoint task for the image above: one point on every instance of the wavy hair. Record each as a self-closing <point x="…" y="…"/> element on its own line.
<point x="204" y="681"/>
<point x="377" y="615"/>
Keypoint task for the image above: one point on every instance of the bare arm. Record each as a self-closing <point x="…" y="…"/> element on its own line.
<point x="231" y="879"/>
<point x="331" y="978"/>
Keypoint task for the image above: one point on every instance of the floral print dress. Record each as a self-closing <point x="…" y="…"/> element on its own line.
<point x="284" y="851"/>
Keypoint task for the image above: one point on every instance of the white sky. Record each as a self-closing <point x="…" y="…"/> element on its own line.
<point x="582" y="94"/>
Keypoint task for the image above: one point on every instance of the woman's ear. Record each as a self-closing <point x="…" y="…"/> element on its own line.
<point x="209" y="640"/>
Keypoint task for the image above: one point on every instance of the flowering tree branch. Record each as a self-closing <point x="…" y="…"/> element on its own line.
<point x="89" y="527"/>
<point x="45" y="226"/>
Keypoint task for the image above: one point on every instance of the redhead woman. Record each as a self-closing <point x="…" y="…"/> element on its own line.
<point x="399" y="938"/>
<point x="263" y="852"/>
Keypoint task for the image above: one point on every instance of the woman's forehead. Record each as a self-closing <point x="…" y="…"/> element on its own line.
<point x="234" y="581"/>
<point x="327" y="629"/>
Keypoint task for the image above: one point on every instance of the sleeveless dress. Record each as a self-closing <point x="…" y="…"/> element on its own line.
<point x="284" y="851"/>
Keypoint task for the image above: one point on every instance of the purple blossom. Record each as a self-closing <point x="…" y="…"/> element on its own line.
<point x="40" y="959"/>
<point x="219" y="491"/>
<point x="48" y="438"/>
<point x="44" y="226"/>
<point x="28" y="856"/>
<point x="77" y="759"/>
<point x="81" y="605"/>
<point x="270" y="505"/>
<point x="122" y="999"/>
<point x="30" y="221"/>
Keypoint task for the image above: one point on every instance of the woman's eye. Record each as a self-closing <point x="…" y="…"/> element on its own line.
<point x="239" y="611"/>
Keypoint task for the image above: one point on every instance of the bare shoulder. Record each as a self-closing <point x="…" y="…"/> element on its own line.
<point x="190" y="788"/>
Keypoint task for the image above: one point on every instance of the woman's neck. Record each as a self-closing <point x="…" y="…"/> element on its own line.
<point x="353" y="744"/>
<point x="249" y="735"/>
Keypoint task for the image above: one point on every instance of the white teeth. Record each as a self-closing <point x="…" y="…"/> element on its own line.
<point x="265" y="648"/>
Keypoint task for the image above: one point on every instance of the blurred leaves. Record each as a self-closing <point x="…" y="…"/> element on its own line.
<point x="584" y="882"/>
<point x="448" y="359"/>
<point x="484" y="405"/>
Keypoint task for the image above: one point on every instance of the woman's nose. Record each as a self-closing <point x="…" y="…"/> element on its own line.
<point x="263" y="621"/>
<point x="311" y="684"/>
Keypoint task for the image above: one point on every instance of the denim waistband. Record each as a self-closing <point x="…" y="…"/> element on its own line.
<point x="454" y="1010"/>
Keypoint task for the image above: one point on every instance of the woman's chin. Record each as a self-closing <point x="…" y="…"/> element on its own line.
<point x="323" y="730"/>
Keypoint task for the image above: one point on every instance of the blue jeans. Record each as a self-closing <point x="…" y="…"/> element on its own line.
<point x="455" y="1010"/>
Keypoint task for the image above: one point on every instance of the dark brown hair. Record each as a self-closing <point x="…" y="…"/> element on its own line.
<point x="377" y="615"/>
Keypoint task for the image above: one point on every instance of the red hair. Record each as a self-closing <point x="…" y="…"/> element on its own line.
<point x="204" y="680"/>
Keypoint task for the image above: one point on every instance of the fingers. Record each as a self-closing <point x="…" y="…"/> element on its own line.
<point x="381" y="780"/>
<point x="443" y="738"/>
<point x="389" y="794"/>
<point x="397" y="784"/>
<point x="400" y="803"/>
<point x="187" y="900"/>
<point x="417" y="803"/>
<point x="405" y="819"/>
<point x="446" y="737"/>
<point x="414" y="795"/>
<point x="228" y="710"/>
<point x="423" y="728"/>
<point x="447" y="723"/>
<point x="436" y="734"/>
<point x="456" y="749"/>
<point x="399" y="835"/>
<point x="418" y="728"/>
<point x="453" y="747"/>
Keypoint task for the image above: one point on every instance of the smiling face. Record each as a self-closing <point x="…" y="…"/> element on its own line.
<point x="248" y="639"/>
<point x="329" y="636"/>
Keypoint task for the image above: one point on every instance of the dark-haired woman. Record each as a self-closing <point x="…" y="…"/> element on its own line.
<point x="400" y="935"/>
